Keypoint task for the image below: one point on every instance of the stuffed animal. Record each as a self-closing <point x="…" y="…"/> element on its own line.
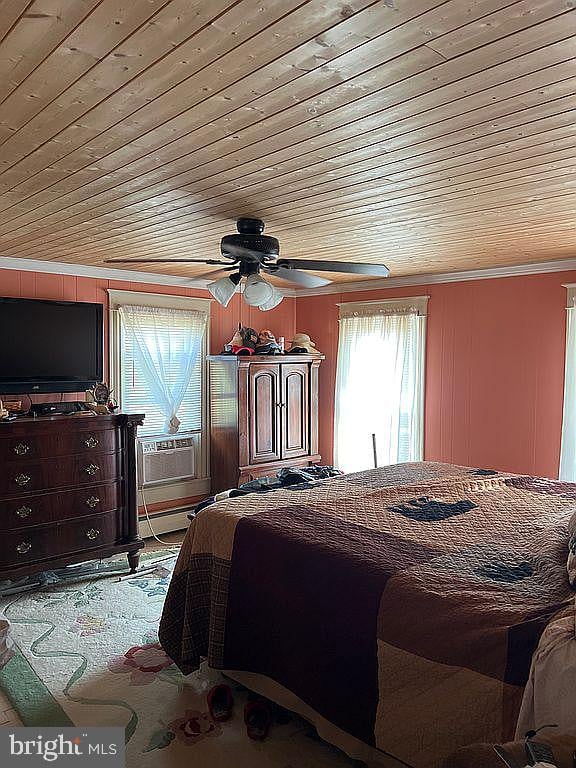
<point x="267" y="344"/>
<point x="302" y="344"/>
<point x="243" y="342"/>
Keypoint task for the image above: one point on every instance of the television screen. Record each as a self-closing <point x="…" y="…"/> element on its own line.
<point x="49" y="346"/>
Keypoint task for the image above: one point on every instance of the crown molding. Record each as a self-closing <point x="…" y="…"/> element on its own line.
<point x="487" y="273"/>
<point x="101" y="273"/>
<point x="154" y="278"/>
<point x="107" y="273"/>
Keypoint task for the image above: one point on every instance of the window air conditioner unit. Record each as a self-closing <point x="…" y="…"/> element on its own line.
<point x="165" y="460"/>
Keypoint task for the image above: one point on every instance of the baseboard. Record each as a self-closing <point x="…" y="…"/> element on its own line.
<point x="164" y="522"/>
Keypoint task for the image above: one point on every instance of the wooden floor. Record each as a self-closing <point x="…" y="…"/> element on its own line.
<point x="168" y="540"/>
<point x="8" y="715"/>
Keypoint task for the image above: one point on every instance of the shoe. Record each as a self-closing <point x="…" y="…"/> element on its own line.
<point x="220" y="702"/>
<point x="258" y="719"/>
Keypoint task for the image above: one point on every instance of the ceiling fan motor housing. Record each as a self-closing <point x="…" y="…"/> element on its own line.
<point x="250" y="238"/>
<point x="268" y="247"/>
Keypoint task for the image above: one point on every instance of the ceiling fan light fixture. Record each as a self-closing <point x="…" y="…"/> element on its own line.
<point x="257" y="291"/>
<point x="224" y="289"/>
<point x="277" y="297"/>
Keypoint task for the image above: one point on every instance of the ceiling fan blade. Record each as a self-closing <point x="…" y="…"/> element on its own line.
<point x="352" y="267"/>
<point x="214" y="273"/>
<point x="295" y="276"/>
<point x="166" y="261"/>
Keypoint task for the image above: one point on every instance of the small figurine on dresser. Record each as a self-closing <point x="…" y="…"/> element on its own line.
<point x="100" y="399"/>
<point x="302" y="344"/>
<point x="243" y="342"/>
<point x="267" y="344"/>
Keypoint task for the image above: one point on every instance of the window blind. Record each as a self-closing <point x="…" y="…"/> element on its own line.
<point x="166" y="335"/>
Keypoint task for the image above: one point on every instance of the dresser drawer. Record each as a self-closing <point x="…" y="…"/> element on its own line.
<point x="58" y="506"/>
<point x="26" y="476"/>
<point x="56" y="443"/>
<point x="26" y="546"/>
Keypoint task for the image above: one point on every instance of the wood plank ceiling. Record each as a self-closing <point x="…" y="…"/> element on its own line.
<point x="429" y="135"/>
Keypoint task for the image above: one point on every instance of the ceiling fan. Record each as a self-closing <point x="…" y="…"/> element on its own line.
<point x="249" y="253"/>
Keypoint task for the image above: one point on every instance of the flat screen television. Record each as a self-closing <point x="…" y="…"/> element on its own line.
<point x="50" y="346"/>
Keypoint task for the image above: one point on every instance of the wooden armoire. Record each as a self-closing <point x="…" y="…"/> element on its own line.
<point x="263" y="416"/>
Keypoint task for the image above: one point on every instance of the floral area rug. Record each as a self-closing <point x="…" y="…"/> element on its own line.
<point x="87" y="653"/>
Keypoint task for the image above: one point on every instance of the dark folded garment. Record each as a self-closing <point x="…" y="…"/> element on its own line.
<point x="294" y="477"/>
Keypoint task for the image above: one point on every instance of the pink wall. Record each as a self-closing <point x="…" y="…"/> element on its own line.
<point x="494" y="361"/>
<point x="494" y="369"/>
<point x="40" y="285"/>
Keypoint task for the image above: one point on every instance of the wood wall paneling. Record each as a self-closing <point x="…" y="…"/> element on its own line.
<point x="494" y="369"/>
<point x="384" y="132"/>
<point x="40" y="285"/>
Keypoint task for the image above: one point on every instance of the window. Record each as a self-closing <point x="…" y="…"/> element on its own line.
<point x="380" y="383"/>
<point x="159" y="346"/>
<point x="568" y="450"/>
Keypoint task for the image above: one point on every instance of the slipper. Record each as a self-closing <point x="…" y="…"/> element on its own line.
<point x="220" y="702"/>
<point x="258" y="720"/>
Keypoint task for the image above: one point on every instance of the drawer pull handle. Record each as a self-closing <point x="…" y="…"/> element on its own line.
<point x="93" y="501"/>
<point x="23" y="547"/>
<point x="24" y="511"/>
<point x="21" y="449"/>
<point x="91" y="442"/>
<point x="22" y="479"/>
<point x="91" y="469"/>
<point x="92" y="533"/>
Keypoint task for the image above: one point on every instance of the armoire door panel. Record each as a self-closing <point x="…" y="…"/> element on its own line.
<point x="295" y="410"/>
<point x="265" y="406"/>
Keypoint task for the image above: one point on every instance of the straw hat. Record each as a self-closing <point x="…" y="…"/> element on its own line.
<point x="302" y="341"/>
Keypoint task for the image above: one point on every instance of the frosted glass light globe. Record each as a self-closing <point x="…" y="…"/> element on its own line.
<point x="257" y="291"/>
<point x="273" y="302"/>
<point x="224" y="289"/>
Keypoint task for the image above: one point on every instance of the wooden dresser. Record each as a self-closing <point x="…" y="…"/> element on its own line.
<point x="263" y="416"/>
<point x="67" y="491"/>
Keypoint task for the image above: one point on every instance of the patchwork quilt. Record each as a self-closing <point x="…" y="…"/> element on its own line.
<point x="403" y="604"/>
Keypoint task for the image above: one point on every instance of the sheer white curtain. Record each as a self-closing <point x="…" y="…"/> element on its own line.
<point x="380" y="385"/>
<point x="568" y="450"/>
<point x="166" y="344"/>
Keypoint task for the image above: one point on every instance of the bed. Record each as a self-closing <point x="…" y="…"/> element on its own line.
<point x="398" y="609"/>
